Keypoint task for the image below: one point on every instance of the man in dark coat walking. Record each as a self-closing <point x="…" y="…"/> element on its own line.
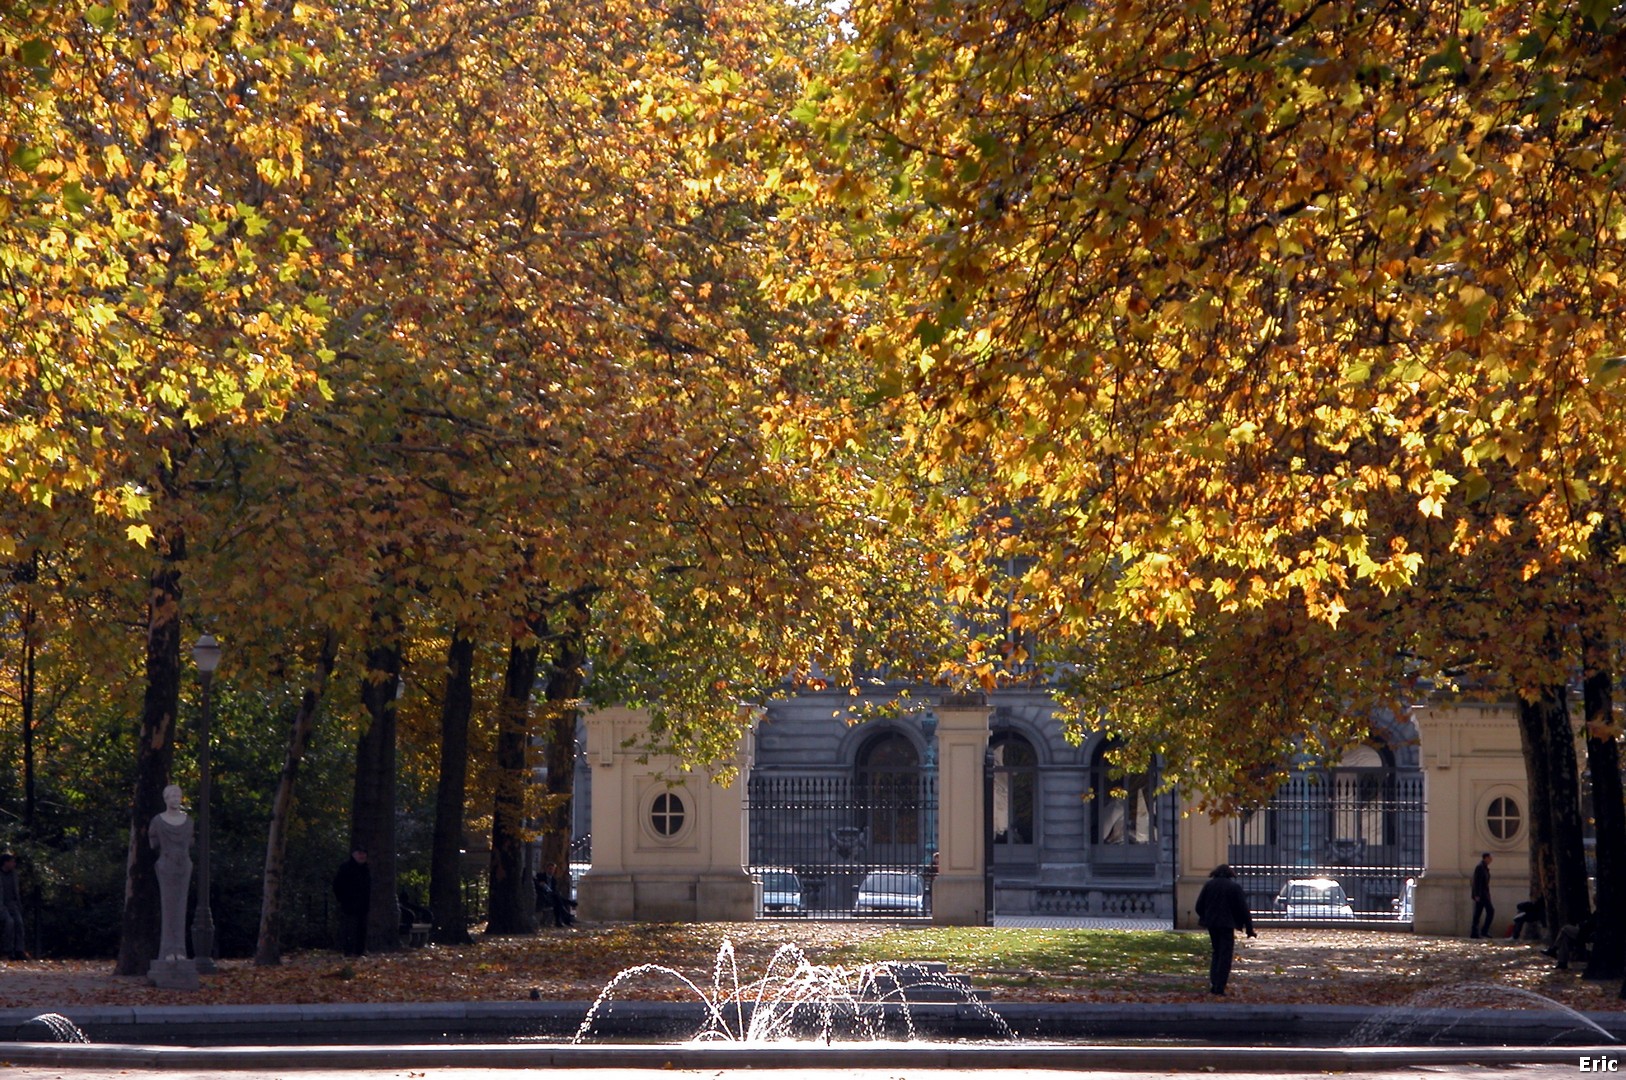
<point x="1222" y="907"/>
<point x="353" y="887"/>
<point x="1479" y="890"/>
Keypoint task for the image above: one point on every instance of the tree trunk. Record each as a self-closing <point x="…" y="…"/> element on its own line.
<point x="1547" y="720"/>
<point x="155" y="753"/>
<point x="372" y="815"/>
<point x="512" y="907"/>
<point x="1543" y="873"/>
<point x="1569" y="830"/>
<point x="445" y="857"/>
<point x="1608" y="957"/>
<point x="563" y="694"/>
<point x="268" y="949"/>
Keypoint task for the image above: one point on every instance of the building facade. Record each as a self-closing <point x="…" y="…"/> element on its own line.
<point x="835" y="788"/>
<point x="1066" y="836"/>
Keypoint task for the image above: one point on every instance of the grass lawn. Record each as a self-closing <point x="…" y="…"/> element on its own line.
<point x="997" y="957"/>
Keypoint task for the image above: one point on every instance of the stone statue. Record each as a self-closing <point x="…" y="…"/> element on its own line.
<point x="170" y="834"/>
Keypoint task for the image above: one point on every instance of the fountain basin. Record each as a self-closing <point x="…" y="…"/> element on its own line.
<point x="723" y="1056"/>
<point x="642" y="1022"/>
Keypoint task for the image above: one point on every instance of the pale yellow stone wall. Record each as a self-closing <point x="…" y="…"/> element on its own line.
<point x="1203" y="844"/>
<point x="1471" y="756"/>
<point x="696" y="874"/>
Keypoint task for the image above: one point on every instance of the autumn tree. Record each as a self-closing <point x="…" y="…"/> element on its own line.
<point x="139" y="235"/>
<point x="1199" y="295"/>
<point x="563" y="254"/>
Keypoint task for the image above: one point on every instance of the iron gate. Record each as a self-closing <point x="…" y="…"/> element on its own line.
<point x="1332" y="845"/>
<point x="840" y="847"/>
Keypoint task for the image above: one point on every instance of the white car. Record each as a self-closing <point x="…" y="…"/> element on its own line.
<point x="1313" y="898"/>
<point x="781" y="891"/>
<point x="894" y="892"/>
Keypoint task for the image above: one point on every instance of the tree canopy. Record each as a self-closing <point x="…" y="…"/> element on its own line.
<point x="1235" y="366"/>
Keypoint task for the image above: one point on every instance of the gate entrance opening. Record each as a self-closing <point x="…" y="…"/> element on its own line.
<point x="1333" y="844"/>
<point x="838" y="847"/>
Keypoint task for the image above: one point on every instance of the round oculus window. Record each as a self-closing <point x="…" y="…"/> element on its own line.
<point x="666" y="814"/>
<point x="1503" y="818"/>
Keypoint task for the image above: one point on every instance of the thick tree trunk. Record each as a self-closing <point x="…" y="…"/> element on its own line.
<point x="155" y="752"/>
<point x="372" y="815"/>
<point x="512" y="907"/>
<point x="1547" y="720"/>
<point x="1543" y="873"/>
<point x="1569" y="830"/>
<point x="563" y="694"/>
<point x="1608" y="958"/>
<point x="268" y="948"/>
<point x="445" y="855"/>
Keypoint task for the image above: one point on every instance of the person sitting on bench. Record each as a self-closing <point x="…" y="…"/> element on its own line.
<point x="1573" y="939"/>
<point x="1531" y="913"/>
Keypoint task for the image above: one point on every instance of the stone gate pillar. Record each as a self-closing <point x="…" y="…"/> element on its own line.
<point x="1475" y="785"/>
<point x="1204" y="844"/>
<point x="668" y="845"/>
<point x="959" y="892"/>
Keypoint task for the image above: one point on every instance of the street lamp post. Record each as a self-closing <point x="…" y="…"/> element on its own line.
<point x="206" y="655"/>
<point x="928" y="728"/>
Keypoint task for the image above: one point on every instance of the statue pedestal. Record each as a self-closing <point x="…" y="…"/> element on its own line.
<point x="173" y="975"/>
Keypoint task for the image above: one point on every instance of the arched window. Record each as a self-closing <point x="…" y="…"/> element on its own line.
<point x="1362" y="801"/>
<point x="889" y="786"/>
<point x="1016" y="773"/>
<point x="1123" y="805"/>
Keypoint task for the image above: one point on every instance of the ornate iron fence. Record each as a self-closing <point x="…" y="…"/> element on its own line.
<point x="1359" y="829"/>
<point x="843" y="847"/>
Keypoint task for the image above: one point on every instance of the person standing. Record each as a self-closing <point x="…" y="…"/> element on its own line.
<point x="1481" y="893"/>
<point x="1222" y="908"/>
<point x="11" y="909"/>
<point x="353" y="887"/>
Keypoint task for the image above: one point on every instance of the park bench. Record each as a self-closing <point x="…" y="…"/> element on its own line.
<point x="416" y="922"/>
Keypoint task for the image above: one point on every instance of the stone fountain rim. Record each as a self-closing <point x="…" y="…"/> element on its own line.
<point x="362" y="1029"/>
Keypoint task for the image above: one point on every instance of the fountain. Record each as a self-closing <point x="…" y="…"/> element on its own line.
<point x="58" y="1027"/>
<point x="797" y="999"/>
<point x="1439" y="1012"/>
